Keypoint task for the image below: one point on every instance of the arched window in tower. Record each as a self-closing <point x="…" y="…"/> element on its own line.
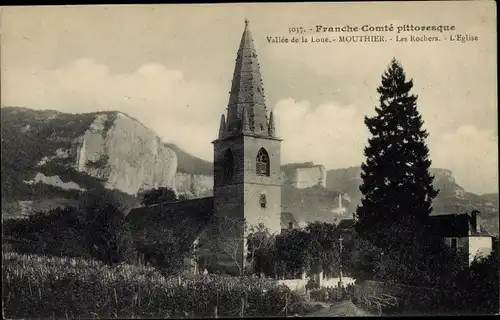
<point x="228" y="166"/>
<point x="262" y="165"/>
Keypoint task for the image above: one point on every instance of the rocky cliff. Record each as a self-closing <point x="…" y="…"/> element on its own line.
<point x="304" y="175"/>
<point x="110" y="147"/>
<point x="194" y="185"/>
<point x="70" y="153"/>
<point x="124" y="154"/>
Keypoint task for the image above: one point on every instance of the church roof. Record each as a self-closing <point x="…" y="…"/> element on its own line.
<point x="247" y="99"/>
<point x="187" y="219"/>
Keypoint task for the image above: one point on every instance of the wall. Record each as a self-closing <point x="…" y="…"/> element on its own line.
<point x="297" y="285"/>
<point x="462" y="246"/>
<point x="473" y="246"/>
<point x="479" y="247"/>
<point x="333" y="282"/>
<point x="462" y="243"/>
<point x="255" y="214"/>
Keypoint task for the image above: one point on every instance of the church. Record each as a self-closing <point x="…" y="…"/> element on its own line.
<point x="247" y="181"/>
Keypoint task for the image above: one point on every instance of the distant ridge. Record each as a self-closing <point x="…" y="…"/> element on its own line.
<point x="190" y="164"/>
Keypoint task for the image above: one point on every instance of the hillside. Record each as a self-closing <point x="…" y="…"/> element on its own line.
<point x="452" y="198"/>
<point x="312" y="204"/>
<point x="190" y="164"/>
<point x="50" y="157"/>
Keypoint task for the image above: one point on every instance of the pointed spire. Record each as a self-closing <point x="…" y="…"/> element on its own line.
<point x="222" y="127"/>
<point x="245" y="121"/>
<point x="247" y="91"/>
<point x="271" y="128"/>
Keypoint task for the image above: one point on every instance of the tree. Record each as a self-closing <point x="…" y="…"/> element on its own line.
<point x="324" y="247"/>
<point x="483" y="283"/>
<point x="316" y="248"/>
<point x="169" y="256"/>
<point x="107" y="233"/>
<point x="159" y="195"/>
<point x="396" y="184"/>
<point x="227" y="242"/>
<point x="260" y="245"/>
<point x="292" y="254"/>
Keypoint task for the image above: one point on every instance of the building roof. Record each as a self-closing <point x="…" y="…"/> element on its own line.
<point x="187" y="219"/>
<point x="346" y="224"/>
<point x="286" y="218"/>
<point x="455" y="225"/>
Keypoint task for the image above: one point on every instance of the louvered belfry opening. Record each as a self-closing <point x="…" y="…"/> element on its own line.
<point x="228" y="165"/>
<point x="262" y="163"/>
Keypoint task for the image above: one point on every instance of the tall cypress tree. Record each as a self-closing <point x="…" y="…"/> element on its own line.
<point x="397" y="186"/>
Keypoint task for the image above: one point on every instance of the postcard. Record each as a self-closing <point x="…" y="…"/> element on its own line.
<point x="249" y="159"/>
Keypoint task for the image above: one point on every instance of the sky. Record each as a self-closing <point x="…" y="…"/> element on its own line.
<point x="170" y="67"/>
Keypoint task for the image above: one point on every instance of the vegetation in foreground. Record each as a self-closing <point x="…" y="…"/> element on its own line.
<point x="40" y="286"/>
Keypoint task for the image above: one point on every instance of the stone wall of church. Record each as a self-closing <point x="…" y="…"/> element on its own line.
<point x="259" y="187"/>
<point x="228" y="233"/>
<point x="242" y="197"/>
<point x="237" y="149"/>
<point x="255" y="213"/>
<point x="252" y="146"/>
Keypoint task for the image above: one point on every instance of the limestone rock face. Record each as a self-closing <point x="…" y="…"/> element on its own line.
<point x="194" y="185"/>
<point x="304" y="175"/>
<point x="75" y="152"/>
<point x="125" y="155"/>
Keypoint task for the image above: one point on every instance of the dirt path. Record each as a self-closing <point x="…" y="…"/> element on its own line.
<point x="339" y="309"/>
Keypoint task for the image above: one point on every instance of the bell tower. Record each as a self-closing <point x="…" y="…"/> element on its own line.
<point x="247" y="159"/>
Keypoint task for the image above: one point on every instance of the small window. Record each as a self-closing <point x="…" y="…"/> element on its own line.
<point x="263" y="201"/>
<point x="290" y="225"/>
<point x="261" y="126"/>
<point x="454" y="244"/>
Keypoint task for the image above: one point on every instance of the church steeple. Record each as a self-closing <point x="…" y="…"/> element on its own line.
<point x="247" y="160"/>
<point x="247" y="91"/>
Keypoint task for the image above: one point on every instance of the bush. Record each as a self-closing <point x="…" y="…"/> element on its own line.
<point x="97" y="229"/>
<point x="39" y="287"/>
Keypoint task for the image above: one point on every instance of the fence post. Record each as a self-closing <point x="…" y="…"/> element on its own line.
<point x="216" y="304"/>
<point x="286" y="305"/>
<point x="242" y="312"/>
